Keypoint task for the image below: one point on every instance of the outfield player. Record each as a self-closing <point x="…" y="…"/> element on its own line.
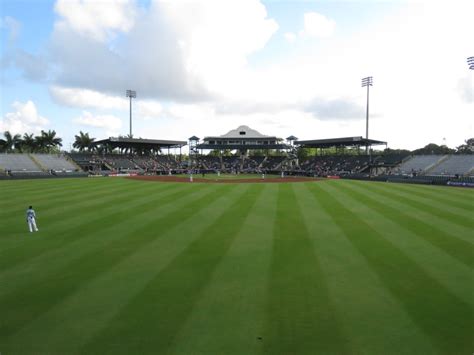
<point x="31" y="219"/>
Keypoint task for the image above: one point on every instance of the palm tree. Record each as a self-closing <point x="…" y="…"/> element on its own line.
<point x="40" y="143"/>
<point x="3" y="145"/>
<point x="28" y="143"/>
<point x="11" y="141"/>
<point x="83" y="142"/>
<point x="50" y="141"/>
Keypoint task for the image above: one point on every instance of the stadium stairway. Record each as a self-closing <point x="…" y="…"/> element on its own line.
<point x="433" y="166"/>
<point x="107" y="165"/>
<point x="38" y="163"/>
<point x="470" y="172"/>
<point x="73" y="162"/>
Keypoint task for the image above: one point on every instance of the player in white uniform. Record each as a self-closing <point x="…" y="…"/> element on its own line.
<point x="31" y="219"/>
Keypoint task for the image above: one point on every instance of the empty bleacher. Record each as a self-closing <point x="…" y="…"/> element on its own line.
<point x="419" y="163"/>
<point x="454" y="165"/>
<point x="54" y="162"/>
<point x="20" y="165"/>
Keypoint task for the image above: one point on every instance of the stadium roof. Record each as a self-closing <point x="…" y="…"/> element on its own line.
<point x="241" y="132"/>
<point x="123" y="142"/>
<point x="242" y="138"/>
<point x="339" y="142"/>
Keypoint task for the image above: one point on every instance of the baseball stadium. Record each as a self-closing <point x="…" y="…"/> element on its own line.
<point x="243" y="243"/>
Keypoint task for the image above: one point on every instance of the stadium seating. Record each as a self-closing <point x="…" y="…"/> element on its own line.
<point x="335" y="164"/>
<point x="454" y="165"/>
<point x="389" y="159"/>
<point x="272" y="163"/>
<point x="418" y="164"/>
<point x="18" y="162"/>
<point x="54" y="162"/>
<point x="21" y="166"/>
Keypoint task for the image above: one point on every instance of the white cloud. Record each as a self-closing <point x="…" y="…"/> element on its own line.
<point x="85" y="98"/>
<point x="25" y="119"/>
<point x="317" y="25"/>
<point x="109" y="123"/>
<point x="466" y="89"/>
<point x="217" y="36"/>
<point x="149" y="109"/>
<point x="290" y="37"/>
<point x="188" y="63"/>
<point x="175" y="51"/>
<point x="99" y="20"/>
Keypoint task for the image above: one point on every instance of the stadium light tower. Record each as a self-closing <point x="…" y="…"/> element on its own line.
<point x="367" y="82"/>
<point x="470" y="62"/>
<point x="131" y="94"/>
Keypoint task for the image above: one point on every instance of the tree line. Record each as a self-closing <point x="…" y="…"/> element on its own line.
<point x="45" y="142"/>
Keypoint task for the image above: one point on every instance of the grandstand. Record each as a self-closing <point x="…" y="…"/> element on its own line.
<point x="38" y="165"/>
<point x="454" y="165"/>
<point x="20" y="165"/>
<point x="336" y="164"/>
<point x="57" y="165"/>
<point x="389" y="160"/>
<point x="419" y="164"/>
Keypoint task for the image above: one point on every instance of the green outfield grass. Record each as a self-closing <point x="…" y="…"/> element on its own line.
<point x="327" y="267"/>
<point x="214" y="176"/>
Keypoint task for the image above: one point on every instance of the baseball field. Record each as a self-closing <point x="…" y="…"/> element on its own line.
<point x="122" y="266"/>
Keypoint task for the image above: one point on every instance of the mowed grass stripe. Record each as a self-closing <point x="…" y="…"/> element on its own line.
<point x="301" y="318"/>
<point x="446" y="319"/>
<point x="458" y="248"/>
<point x="374" y="320"/>
<point x="24" y="305"/>
<point x="440" y="211"/>
<point x="96" y="234"/>
<point x="234" y="298"/>
<point x="98" y="301"/>
<point x="389" y="222"/>
<point x="39" y="185"/>
<point x="449" y="227"/>
<point x="440" y="195"/>
<point x="152" y="319"/>
<point x="452" y="229"/>
<point x="76" y="223"/>
<point x="54" y="196"/>
<point x="49" y="212"/>
<point x="44" y="202"/>
<point x="114" y="222"/>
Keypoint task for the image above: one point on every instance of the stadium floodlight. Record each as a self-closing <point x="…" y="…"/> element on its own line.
<point x="470" y="62"/>
<point x="131" y="94"/>
<point x="367" y="82"/>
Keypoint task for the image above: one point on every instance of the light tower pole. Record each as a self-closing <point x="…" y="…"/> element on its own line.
<point x="367" y="82"/>
<point x="470" y="63"/>
<point x="131" y="94"/>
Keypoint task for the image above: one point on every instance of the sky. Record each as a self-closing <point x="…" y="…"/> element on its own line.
<point x="206" y="67"/>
